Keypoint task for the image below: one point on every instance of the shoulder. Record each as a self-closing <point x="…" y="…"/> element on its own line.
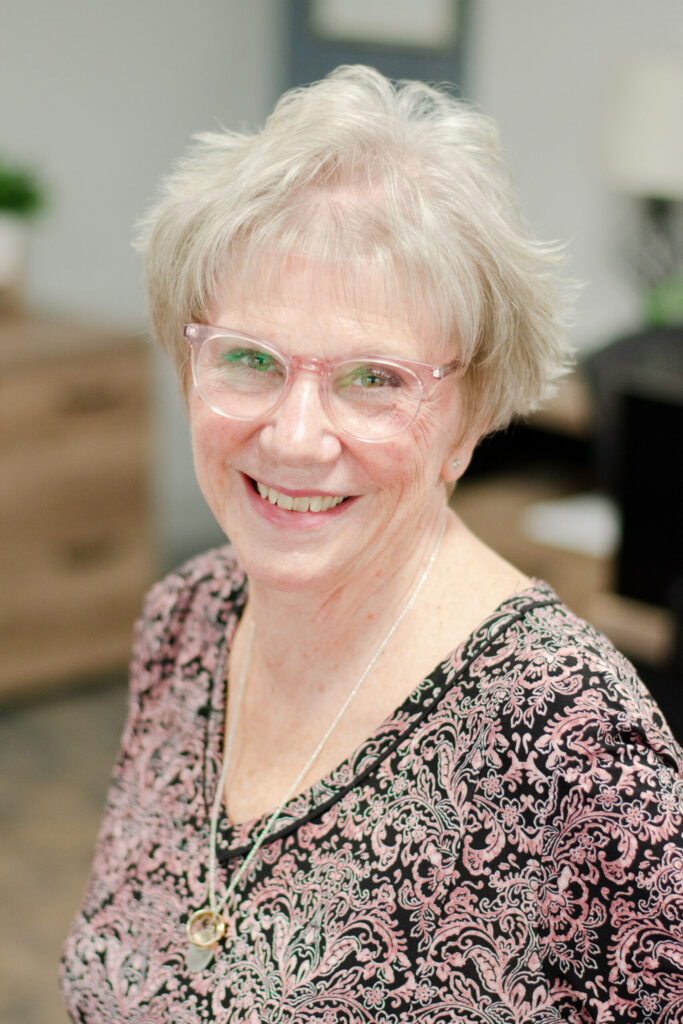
<point x="592" y="755"/>
<point x="559" y="678"/>
<point x="181" y="610"/>
<point x="213" y="574"/>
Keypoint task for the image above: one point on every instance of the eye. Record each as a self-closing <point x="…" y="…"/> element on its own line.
<point x="371" y="376"/>
<point x="250" y="358"/>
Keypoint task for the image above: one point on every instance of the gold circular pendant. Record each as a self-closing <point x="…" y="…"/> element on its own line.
<point x="205" y="928"/>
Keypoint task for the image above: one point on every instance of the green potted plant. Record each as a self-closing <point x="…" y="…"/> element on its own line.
<point x="21" y="198"/>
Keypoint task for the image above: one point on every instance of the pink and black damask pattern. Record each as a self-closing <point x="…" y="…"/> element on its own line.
<point x="507" y="847"/>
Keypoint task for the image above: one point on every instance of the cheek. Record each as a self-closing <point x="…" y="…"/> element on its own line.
<point x="418" y="462"/>
<point x="433" y="437"/>
<point x="415" y="458"/>
<point x="410" y="464"/>
<point x="213" y="437"/>
<point x="441" y="427"/>
<point x="207" y="466"/>
<point x="215" y="443"/>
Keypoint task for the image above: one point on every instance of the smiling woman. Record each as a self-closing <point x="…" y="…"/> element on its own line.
<point x="370" y="772"/>
<point x="377" y="457"/>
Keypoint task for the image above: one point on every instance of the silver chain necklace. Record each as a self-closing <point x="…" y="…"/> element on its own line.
<point x="206" y="927"/>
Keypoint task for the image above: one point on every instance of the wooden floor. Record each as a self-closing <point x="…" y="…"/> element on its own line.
<point x="55" y="760"/>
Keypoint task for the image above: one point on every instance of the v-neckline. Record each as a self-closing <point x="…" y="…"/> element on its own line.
<point x="235" y="839"/>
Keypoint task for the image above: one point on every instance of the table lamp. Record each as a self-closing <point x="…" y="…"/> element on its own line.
<point x="642" y="157"/>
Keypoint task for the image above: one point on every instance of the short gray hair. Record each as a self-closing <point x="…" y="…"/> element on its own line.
<point x="355" y="171"/>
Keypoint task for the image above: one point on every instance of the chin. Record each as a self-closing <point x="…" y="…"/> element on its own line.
<point x="286" y="575"/>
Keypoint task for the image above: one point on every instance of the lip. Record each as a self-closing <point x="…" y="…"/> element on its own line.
<point x="291" y="519"/>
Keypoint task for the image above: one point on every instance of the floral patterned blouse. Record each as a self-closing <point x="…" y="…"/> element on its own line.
<point x="506" y="847"/>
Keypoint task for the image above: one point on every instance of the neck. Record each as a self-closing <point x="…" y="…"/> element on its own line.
<point x="305" y="636"/>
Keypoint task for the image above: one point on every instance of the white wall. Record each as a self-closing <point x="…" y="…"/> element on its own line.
<point x="541" y="69"/>
<point x="101" y="98"/>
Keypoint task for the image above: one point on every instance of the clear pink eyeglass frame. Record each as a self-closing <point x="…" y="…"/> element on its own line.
<point x="426" y="374"/>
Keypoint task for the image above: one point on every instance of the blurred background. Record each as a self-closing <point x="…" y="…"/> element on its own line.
<point x="97" y="493"/>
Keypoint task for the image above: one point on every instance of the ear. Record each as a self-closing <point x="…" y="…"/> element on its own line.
<point x="451" y="469"/>
<point x="459" y="458"/>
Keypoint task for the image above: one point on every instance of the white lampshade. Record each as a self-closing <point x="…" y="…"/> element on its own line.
<point x="642" y="133"/>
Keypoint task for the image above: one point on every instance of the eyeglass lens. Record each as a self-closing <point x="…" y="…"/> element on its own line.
<point x="367" y="398"/>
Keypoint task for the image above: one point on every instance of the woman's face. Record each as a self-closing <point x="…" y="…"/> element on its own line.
<point x="393" y="491"/>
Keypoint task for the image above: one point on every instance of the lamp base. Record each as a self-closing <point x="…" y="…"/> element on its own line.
<point x="663" y="303"/>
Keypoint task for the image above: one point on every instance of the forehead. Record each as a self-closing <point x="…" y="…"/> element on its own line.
<point x="303" y="305"/>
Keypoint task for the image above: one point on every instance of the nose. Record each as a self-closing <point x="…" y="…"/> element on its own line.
<point x="299" y="432"/>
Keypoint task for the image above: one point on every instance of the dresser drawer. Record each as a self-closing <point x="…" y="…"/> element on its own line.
<point x="66" y="611"/>
<point x="64" y="487"/>
<point x="75" y="554"/>
<point x="52" y="400"/>
<point x="56" y="581"/>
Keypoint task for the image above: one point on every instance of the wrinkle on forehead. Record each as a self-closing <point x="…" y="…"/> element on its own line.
<point x="347" y="296"/>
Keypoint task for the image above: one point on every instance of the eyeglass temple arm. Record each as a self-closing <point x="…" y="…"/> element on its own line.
<point x="439" y="372"/>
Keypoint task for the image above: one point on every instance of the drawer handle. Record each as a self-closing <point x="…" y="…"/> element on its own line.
<point x="81" y="401"/>
<point x="83" y="553"/>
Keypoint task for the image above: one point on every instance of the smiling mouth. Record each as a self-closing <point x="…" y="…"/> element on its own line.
<point x="300" y="503"/>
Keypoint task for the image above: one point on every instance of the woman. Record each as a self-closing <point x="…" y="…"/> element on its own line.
<point x="371" y="772"/>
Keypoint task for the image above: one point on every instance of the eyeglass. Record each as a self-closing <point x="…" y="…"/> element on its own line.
<point x="369" y="398"/>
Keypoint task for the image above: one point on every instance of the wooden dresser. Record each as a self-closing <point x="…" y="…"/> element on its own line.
<point x="75" y="551"/>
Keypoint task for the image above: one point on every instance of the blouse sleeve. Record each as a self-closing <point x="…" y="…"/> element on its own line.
<point x="118" y="833"/>
<point x="171" y="628"/>
<point x="610" y="889"/>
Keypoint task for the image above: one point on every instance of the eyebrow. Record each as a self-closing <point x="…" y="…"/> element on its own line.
<point x="361" y="353"/>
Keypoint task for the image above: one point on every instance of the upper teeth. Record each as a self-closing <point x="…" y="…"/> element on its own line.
<point x="315" y="503"/>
